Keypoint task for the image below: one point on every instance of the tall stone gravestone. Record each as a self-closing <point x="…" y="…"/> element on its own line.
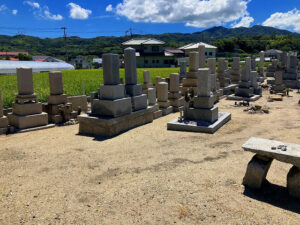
<point x="27" y="111"/>
<point x="190" y="82"/>
<point x="162" y="98"/>
<point x="58" y="109"/>
<point x="175" y="97"/>
<point x="261" y="63"/>
<point x="201" y="56"/>
<point x="291" y="75"/>
<point x="235" y="71"/>
<point x="182" y="72"/>
<point x="3" y="119"/>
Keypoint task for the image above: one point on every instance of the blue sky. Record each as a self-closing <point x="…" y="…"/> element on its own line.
<point x="90" y="18"/>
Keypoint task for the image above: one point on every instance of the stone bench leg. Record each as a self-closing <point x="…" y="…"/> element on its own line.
<point x="257" y="171"/>
<point x="293" y="182"/>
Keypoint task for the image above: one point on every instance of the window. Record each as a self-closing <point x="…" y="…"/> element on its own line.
<point x="155" y="48"/>
<point x="206" y="53"/>
<point x="210" y="53"/>
<point x="166" y="61"/>
<point x="153" y="61"/>
<point x="157" y="61"/>
<point x="146" y="61"/>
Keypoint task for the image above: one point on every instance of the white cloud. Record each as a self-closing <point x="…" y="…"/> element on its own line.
<point x="195" y="13"/>
<point x="48" y="15"/>
<point x="42" y="11"/>
<point x="3" y="8"/>
<point x="77" y="12"/>
<point x="244" y="22"/>
<point x="35" y="5"/>
<point x="288" y="20"/>
<point x="14" y="12"/>
<point x="109" y="8"/>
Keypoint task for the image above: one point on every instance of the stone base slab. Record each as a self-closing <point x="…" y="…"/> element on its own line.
<point x="115" y="108"/>
<point x="200" y="126"/>
<point x="36" y="128"/>
<point x="233" y="97"/>
<point x="139" y="102"/>
<point x="109" y="127"/>
<point x="294" y="84"/>
<point x="27" y="108"/>
<point x="157" y="114"/>
<point x="209" y="115"/>
<point x="165" y="104"/>
<point x="29" y="121"/>
<point x="57" y="99"/>
<point x="111" y="92"/>
<point x="167" y="111"/>
<point x="56" y="119"/>
<point x="79" y="102"/>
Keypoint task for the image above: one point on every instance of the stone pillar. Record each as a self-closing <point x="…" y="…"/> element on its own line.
<point x="147" y="81"/>
<point x="182" y="69"/>
<point x="284" y="59"/>
<point x="212" y="65"/>
<point x="130" y="66"/>
<point x="56" y="83"/>
<point x="235" y="71"/>
<point x="256" y="172"/>
<point x="162" y="98"/>
<point x="204" y="83"/>
<point x="134" y="90"/>
<point x="193" y="61"/>
<point x="261" y="62"/>
<point x="253" y="79"/>
<point x="201" y="56"/>
<point x="253" y="63"/>
<point x="221" y="72"/>
<point x="25" y="81"/>
<point x="111" y="66"/>
<point x="175" y="98"/>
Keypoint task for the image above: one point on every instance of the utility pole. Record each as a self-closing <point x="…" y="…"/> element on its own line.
<point x="65" y="38"/>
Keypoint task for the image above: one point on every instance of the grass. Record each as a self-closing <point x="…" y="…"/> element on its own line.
<point x="73" y="82"/>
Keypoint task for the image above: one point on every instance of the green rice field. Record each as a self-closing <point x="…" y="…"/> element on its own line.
<point x="75" y="82"/>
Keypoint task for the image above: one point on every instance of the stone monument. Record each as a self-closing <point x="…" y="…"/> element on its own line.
<point x="235" y="71"/>
<point x="175" y="97"/>
<point x="3" y="119"/>
<point x="162" y="98"/>
<point x="27" y="113"/>
<point x="58" y="109"/>
<point x="201" y="56"/>
<point x="190" y="82"/>
<point x="271" y="69"/>
<point x="182" y="71"/>
<point x="278" y="86"/>
<point x="244" y="91"/>
<point x="200" y="114"/>
<point x="291" y="75"/>
<point x="147" y="81"/>
<point x="113" y="112"/>
<point x="261" y="63"/>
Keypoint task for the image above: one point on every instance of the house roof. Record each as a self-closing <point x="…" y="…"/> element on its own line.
<point x="174" y="51"/>
<point x="273" y="51"/>
<point x="196" y="46"/>
<point x="44" y="58"/>
<point x="13" y="53"/>
<point x="150" y="41"/>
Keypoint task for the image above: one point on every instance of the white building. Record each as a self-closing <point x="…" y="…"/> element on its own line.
<point x="210" y="52"/>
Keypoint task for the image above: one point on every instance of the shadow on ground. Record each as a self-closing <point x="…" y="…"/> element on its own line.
<point x="275" y="195"/>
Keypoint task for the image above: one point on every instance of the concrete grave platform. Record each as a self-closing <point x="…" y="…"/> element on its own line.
<point x="29" y="121"/>
<point x="199" y="126"/>
<point x="108" y="127"/>
<point x="239" y="98"/>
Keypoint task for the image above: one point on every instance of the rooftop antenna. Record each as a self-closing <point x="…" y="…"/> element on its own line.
<point x="128" y="31"/>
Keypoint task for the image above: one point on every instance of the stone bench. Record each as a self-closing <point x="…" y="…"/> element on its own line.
<point x="265" y="152"/>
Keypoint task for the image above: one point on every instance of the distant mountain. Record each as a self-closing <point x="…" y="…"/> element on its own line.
<point x="97" y="46"/>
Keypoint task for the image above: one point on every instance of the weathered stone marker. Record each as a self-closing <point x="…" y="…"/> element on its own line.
<point x="235" y="70"/>
<point x="27" y="111"/>
<point x="175" y="97"/>
<point x="201" y="56"/>
<point x="162" y="98"/>
<point x="266" y="151"/>
<point x="190" y="82"/>
<point x="182" y="72"/>
<point x="261" y="63"/>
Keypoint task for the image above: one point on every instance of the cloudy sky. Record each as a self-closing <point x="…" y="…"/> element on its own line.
<point x="90" y="18"/>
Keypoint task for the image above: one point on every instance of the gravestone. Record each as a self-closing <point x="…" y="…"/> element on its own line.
<point x="278" y="86"/>
<point x="201" y="56"/>
<point x="162" y="98"/>
<point x="190" y="82"/>
<point x="291" y="75"/>
<point x="58" y="109"/>
<point x="200" y="115"/>
<point x="261" y="63"/>
<point x="27" y="112"/>
<point x="235" y="71"/>
<point x="175" y="97"/>
<point x="182" y="72"/>
<point x="147" y="81"/>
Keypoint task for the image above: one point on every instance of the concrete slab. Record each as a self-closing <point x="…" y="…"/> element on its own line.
<point x="269" y="149"/>
<point x="36" y="128"/>
<point x="233" y="97"/>
<point x="200" y="126"/>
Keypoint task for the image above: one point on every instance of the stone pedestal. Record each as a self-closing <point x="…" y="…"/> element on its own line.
<point x="201" y="115"/>
<point x="235" y="74"/>
<point x="162" y="98"/>
<point x="27" y="111"/>
<point x="175" y="97"/>
<point x="190" y="82"/>
<point x="133" y="90"/>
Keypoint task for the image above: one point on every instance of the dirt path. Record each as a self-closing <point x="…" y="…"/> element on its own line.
<point x="148" y="175"/>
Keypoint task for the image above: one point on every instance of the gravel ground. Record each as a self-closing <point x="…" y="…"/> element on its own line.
<point x="148" y="175"/>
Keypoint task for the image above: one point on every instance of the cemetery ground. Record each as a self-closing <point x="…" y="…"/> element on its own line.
<point x="148" y="175"/>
